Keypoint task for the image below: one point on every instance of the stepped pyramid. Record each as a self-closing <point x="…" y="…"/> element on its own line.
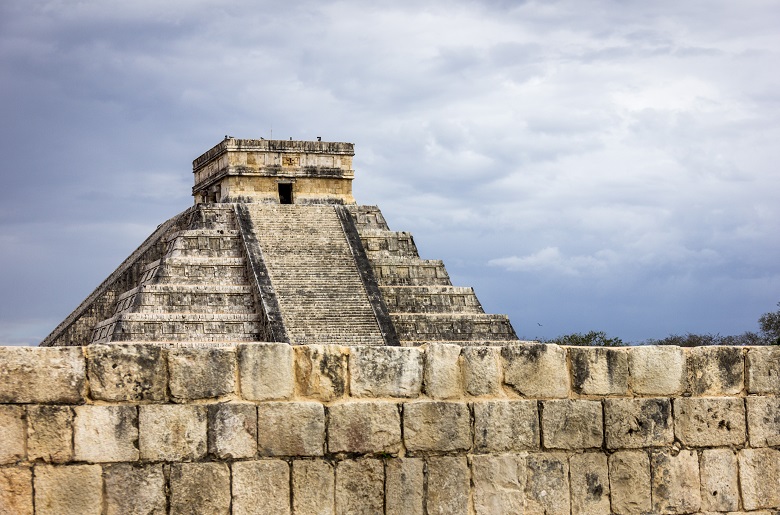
<point x="276" y="249"/>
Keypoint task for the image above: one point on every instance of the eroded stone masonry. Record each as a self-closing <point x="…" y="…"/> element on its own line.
<point x="440" y="428"/>
<point x="276" y="348"/>
<point x="275" y="249"/>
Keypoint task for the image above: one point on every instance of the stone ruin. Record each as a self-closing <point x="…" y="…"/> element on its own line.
<point x="275" y="249"/>
<point x="277" y="349"/>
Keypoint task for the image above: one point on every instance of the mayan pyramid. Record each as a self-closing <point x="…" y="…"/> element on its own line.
<point x="276" y="249"/>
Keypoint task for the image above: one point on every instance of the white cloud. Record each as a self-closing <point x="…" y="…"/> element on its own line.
<point x="550" y="260"/>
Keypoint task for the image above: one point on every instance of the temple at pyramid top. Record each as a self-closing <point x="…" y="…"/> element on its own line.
<point x="278" y="171"/>
<point x="275" y="249"/>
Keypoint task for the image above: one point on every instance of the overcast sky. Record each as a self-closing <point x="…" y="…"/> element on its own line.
<point x="584" y="165"/>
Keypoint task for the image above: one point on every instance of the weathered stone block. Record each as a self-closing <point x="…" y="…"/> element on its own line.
<point x="657" y="370"/>
<point x="719" y="481"/>
<point x="572" y="424"/>
<point x="385" y="371"/>
<point x="232" y="430"/>
<point x="360" y="486"/>
<point x="676" y="487"/>
<point x="499" y="484"/>
<point x="442" y="371"/>
<point x="710" y="422"/>
<point x="313" y="484"/>
<point x="42" y="375"/>
<point x="266" y="371"/>
<point x="105" y="433"/>
<point x="436" y="426"/>
<point x="172" y="432"/>
<point x="763" y="370"/>
<point x="13" y="434"/>
<point x="16" y="492"/>
<point x="629" y="481"/>
<point x="449" y="480"/>
<point x="321" y="371"/>
<point x="127" y="372"/>
<point x="134" y="489"/>
<point x="536" y="370"/>
<point x="68" y="490"/>
<point x="50" y="433"/>
<point x="200" y="488"/>
<point x="759" y="475"/>
<point x="201" y="373"/>
<point x="714" y="370"/>
<point x="404" y="486"/>
<point x="547" y="484"/>
<point x="637" y="423"/>
<point x="364" y="427"/>
<point x="599" y="371"/>
<point x="291" y="428"/>
<point x="482" y="370"/>
<point x="763" y="415"/>
<point x="504" y="426"/>
<point x="589" y="484"/>
<point x="261" y="487"/>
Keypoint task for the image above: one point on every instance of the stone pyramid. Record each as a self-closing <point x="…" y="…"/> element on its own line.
<point x="276" y="249"/>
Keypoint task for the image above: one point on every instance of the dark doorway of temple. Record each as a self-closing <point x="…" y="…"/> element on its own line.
<point x="285" y="193"/>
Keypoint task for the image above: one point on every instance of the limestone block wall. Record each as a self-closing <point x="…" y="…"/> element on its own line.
<point x="439" y="429"/>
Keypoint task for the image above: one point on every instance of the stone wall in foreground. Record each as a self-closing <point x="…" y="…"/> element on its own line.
<point x="271" y="428"/>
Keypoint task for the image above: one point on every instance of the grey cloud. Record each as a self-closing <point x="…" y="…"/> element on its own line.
<point x="637" y="139"/>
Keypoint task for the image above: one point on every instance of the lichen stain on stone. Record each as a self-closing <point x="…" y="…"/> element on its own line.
<point x="658" y="411"/>
<point x="126" y="424"/>
<point x="332" y="367"/>
<point x="529" y="352"/>
<point x="595" y="488"/>
<point x="580" y="370"/>
<point x="613" y="364"/>
<point x="730" y="366"/>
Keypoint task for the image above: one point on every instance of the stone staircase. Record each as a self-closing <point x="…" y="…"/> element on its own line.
<point x="197" y="292"/>
<point x="319" y="289"/>
<point x="423" y="304"/>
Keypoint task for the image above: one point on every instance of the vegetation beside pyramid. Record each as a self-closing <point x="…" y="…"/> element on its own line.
<point x="276" y="249"/>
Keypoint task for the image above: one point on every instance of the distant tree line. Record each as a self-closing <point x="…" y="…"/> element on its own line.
<point x="769" y="334"/>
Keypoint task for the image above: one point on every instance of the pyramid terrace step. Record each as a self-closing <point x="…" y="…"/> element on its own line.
<point x="205" y="242"/>
<point x="388" y="243"/>
<point x="178" y="327"/>
<point x="368" y="217"/>
<point x="213" y="216"/>
<point x="397" y="271"/>
<point x="466" y="343"/>
<point x="204" y="233"/>
<point x="196" y="270"/>
<point x="187" y="298"/>
<point x="430" y="299"/>
<point x="190" y="344"/>
<point x="452" y="327"/>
